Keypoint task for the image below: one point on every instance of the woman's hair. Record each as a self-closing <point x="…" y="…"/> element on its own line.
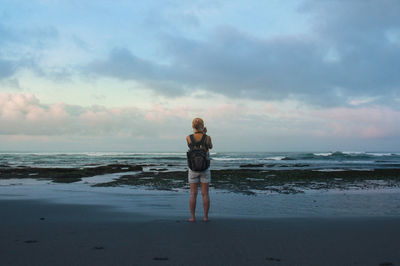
<point x="198" y="124"/>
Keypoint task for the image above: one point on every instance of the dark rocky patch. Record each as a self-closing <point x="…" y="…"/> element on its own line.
<point x="280" y="181"/>
<point x="235" y="180"/>
<point x="65" y="175"/>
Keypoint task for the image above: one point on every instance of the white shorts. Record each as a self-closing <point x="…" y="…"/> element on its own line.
<point x="196" y="177"/>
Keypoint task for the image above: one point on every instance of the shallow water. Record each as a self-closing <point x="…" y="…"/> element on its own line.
<point x="312" y="203"/>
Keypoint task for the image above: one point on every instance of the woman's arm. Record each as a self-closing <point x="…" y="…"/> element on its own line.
<point x="209" y="142"/>
<point x="188" y="141"/>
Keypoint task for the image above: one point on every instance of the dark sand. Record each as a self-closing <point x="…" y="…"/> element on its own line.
<point x="40" y="233"/>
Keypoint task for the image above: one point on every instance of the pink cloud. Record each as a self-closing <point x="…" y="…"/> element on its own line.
<point x="365" y="122"/>
<point x="24" y="114"/>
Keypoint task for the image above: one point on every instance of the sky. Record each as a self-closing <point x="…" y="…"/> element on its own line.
<point x="296" y="75"/>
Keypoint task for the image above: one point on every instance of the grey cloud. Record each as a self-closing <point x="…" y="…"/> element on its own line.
<point x="347" y="55"/>
<point x="357" y="30"/>
<point x="16" y="48"/>
<point x="7" y="69"/>
<point x="124" y="65"/>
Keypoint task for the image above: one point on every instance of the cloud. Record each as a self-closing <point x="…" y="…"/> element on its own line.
<point x="7" y="69"/>
<point x="362" y="123"/>
<point x="24" y="114"/>
<point x="163" y="126"/>
<point x="347" y="54"/>
<point x="23" y="49"/>
<point x="124" y="65"/>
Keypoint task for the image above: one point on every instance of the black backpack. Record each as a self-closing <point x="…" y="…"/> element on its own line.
<point x="197" y="155"/>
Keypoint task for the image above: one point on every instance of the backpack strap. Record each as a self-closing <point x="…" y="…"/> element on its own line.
<point x="192" y="141"/>
<point x="202" y="142"/>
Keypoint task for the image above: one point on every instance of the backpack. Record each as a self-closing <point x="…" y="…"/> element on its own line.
<point x="197" y="155"/>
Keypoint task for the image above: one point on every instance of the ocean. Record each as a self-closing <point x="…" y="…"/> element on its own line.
<point x="322" y="161"/>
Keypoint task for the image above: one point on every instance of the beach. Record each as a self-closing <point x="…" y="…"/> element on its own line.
<point x="130" y="209"/>
<point x="43" y="233"/>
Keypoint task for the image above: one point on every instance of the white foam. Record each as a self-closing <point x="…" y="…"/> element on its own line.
<point x="232" y="159"/>
<point x="379" y="154"/>
<point x="353" y="152"/>
<point x="323" y="154"/>
<point x="276" y="158"/>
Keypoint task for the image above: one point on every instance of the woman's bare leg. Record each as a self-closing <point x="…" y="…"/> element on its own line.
<point x="192" y="203"/>
<point x="206" y="200"/>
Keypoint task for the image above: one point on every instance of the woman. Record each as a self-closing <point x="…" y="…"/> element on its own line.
<point x="196" y="177"/>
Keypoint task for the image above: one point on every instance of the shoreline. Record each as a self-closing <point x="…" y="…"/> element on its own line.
<point x="83" y="235"/>
<point x="243" y="180"/>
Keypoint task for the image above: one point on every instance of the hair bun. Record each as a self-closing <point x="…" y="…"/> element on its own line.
<point x="198" y="124"/>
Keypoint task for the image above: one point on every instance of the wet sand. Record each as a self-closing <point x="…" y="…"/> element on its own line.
<point x="43" y="233"/>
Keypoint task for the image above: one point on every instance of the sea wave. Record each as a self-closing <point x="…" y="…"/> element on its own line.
<point x="275" y="158"/>
<point x="230" y="159"/>
<point x="221" y="160"/>
<point x="323" y="154"/>
<point x="381" y="154"/>
<point x="352" y="154"/>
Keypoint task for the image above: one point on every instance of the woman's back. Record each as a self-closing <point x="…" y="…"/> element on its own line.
<point x="197" y="137"/>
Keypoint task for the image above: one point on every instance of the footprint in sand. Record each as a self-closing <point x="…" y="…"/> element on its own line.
<point x="272" y="259"/>
<point x="31" y="241"/>
<point x="160" y="258"/>
<point x="98" y="247"/>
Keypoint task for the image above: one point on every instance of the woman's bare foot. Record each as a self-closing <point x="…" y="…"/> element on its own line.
<point x="192" y="220"/>
<point x="205" y="219"/>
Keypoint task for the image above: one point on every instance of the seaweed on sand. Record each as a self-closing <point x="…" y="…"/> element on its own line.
<point x="280" y="181"/>
<point x="65" y="175"/>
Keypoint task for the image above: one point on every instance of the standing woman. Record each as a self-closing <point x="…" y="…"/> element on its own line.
<point x="199" y="170"/>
